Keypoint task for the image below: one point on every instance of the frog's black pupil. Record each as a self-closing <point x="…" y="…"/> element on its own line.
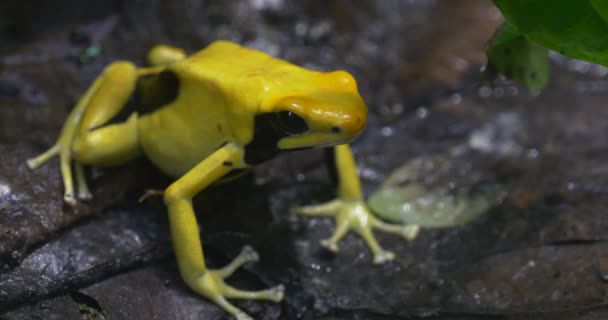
<point x="291" y="123"/>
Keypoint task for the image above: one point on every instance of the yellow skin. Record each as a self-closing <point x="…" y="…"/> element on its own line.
<point x="200" y="117"/>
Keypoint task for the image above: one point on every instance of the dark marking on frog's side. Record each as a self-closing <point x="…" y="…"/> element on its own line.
<point x="122" y="116"/>
<point x="227" y="163"/>
<point x="263" y="146"/>
<point x="155" y="91"/>
<point x="152" y="92"/>
<point x="267" y="134"/>
<point x="219" y="127"/>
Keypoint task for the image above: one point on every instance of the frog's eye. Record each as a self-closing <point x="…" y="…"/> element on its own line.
<point x="290" y="123"/>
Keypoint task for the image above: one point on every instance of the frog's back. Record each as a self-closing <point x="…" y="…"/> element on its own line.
<point x="230" y="61"/>
<point x="219" y="90"/>
<point x="235" y="69"/>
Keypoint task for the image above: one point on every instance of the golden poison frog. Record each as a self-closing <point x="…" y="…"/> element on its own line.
<point x="200" y="117"/>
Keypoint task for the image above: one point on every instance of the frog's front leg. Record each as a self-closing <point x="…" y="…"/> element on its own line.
<point x="186" y="238"/>
<point x="350" y="211"/>
<point x="86" y="135"/>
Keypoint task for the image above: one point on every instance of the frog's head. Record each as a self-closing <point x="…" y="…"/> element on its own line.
<point x="330" y="113"/>
<point x="322" y="110"/>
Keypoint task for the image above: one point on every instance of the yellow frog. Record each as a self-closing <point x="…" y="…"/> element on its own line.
<point x="201" y="117"/>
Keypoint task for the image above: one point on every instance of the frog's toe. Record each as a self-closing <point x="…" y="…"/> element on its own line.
<point x="37" y="161"/>
<point x="383" y="256"/>
<point x="410" y="232"/>
<point x="329" y="245"/>
<point x="85" y="195"/>
<point x="211" y="285"/>
<point x="354" y="215"/>
<point x="33" y="163"/>
<point x="275" y="294"/>
<point x="242" y="316"/>
<point x="278" y="293"/>
<point x="69" y="198"/>
<point x="249" y="254"/>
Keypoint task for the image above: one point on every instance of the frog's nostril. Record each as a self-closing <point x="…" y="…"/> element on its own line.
<point x="353" y="127"/>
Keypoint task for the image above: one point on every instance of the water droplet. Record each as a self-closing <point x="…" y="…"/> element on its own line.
<point x="499" y="92"/>
<point x="485" y="91"/>
<point x="532" y="153"/>
<point x="5" y="190"/>
<point x="422" y="112"/>
<point x="301" y="29"/>
<point x="456" y="98"/>
<point x="397" y="109"/>
<point x="386" y="131"/>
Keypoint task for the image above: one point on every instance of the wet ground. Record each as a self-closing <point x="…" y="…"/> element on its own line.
<point x="541" y="254"/>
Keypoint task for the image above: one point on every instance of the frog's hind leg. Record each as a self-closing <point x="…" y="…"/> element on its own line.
<point x="103" y="101"/>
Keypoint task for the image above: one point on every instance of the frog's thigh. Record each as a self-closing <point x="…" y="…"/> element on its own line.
<point x="108" y="102"/>
<point x="107" y="132"/>
<point x="108" y="145"/>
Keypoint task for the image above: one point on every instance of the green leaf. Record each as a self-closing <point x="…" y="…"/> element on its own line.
<point x="517" y="58"/>
<point x="578" y="29"/>
<point x="423" y="192"/>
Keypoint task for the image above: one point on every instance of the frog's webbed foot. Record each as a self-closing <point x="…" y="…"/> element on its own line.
<point x="65" y="160"/>
<point x="351" y="212"/>
<point x="211" y="284"/>
<point x="354" y="215"/>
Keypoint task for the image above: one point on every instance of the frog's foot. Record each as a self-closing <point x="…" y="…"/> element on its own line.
<point x="212" y="286"/>
<point x="62" y="150"/>
<point x="354" y="215"/>
<point x="81" y="181"/>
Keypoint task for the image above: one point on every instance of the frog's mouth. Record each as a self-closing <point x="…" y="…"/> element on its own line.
<point x="313" y="140"/>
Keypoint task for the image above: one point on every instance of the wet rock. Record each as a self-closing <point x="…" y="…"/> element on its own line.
<point x="120" y="239"/>
<point x="541" y="279"/>
<point x="53" y="309"/>
<point x="31" y="201"/>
